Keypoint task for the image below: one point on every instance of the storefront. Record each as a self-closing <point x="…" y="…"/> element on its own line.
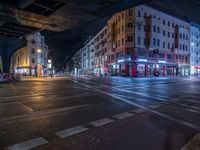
<point x="195" y="70"/>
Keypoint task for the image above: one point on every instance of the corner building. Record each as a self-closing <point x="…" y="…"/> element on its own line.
<point x="148" y="41"/>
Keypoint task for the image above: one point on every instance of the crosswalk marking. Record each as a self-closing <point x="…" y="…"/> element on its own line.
<point x="123" y="115"/>
<point x="101" y="122"/>
<point x="33" y="143"/>
<point x="138" y="111"/>
<point x="71" y="131"/>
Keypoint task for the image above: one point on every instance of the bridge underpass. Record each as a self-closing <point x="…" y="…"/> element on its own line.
<point x="57" y="19"/>
<point x="65" y="23"/>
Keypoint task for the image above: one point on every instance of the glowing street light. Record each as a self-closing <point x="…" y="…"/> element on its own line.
<point x="39" y="50"/>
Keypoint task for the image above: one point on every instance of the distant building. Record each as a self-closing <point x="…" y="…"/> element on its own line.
<point x="77" y="58"/>
<point x="195" y="49"/>
<point x="88" y="56"/>
<point x="100" y="50"/>
<point x="32" y="59"/>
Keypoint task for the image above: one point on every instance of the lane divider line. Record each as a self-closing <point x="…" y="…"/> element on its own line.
<point x="33" y="143"/>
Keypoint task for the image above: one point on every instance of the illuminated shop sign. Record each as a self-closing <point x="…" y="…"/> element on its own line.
<point x="142" y="60"/>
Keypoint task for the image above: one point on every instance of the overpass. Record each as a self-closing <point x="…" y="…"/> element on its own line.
<point x="57" y="19"/>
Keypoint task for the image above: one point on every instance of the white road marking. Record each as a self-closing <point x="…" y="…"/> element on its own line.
<point x="71" y="131"/>
<point x="138" y="111"/>
<point x="101" y="122"/>
<point x="193" y="144"/>
<point x="154" y="106"/>
<point x="131" y="97"/>
<point x="28" y="144"/>
<point x="39" y="114"/>
<point x="123" y="115"/>
<point x="138" y="105"/>
<point x="25" y="107"/>
<point x="194" y="101"/>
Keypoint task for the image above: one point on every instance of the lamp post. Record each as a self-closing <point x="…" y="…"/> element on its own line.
<point x="39" y="51"/>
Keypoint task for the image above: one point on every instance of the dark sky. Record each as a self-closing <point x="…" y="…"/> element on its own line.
<point x="64" y="44"/>
<point x="189" y="8"/>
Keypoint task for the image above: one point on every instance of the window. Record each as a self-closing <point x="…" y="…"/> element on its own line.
<point x="172" y="35"/>
<point x="130" y="25"/>
<point x="154" y="28"/>
<point x="168" y="34"/>
<point x="122" y="28"/>
<point x="139" y="26"/>
<point x="158" y="29"/>
<point x="119" y="31"/>
<point x="122" y="41"/>
<point x="122" y="15"/>
<point x="163" y="32"/>
<point x="139" y="41"/>
<point x="168" y="46"/>
<point x="180" y="35"/>
<point x="139" y="13"/>
<point x="145" y="15"/>
<point x="130" y="12"/>
<point x="154" y="42"/>
<point x="158" y="42"/>
<point x="33" y="41"/>
<point x="33" y="51"/>
<point x="163" y="21"/>
<point x="173" y="45"/>
<point x="130" y="38"/>
<point x="33" y="60"/>
<point x="168" y="23"/>
<point x="169" y="56"/>
<point x="172" y="25"/>
<point x="163" y="44"/>
<point x="183" y="36"/>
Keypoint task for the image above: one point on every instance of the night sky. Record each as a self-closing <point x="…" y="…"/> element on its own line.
<point x="64" y="44"/>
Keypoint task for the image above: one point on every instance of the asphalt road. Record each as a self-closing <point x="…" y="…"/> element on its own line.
<point x="99" y="114"/>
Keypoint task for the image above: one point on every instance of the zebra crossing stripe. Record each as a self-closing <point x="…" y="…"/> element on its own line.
<point x="71" y="131"/>
<point x="28" y="144"/>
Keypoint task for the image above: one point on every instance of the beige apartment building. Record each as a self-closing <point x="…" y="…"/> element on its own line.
<point x="32" y="59"/>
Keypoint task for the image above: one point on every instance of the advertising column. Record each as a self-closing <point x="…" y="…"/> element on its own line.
<point x="1" y="69"/>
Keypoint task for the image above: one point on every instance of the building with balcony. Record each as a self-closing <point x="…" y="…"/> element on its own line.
<point x="162" y="43"/>
<point x="195" y="49"/>
<point x="142" y="41"/>
<point x="148" y="41"/>
<point x="32" y="59"/>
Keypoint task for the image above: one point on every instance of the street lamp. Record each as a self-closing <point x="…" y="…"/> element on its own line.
<point x="39" y="50"/>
